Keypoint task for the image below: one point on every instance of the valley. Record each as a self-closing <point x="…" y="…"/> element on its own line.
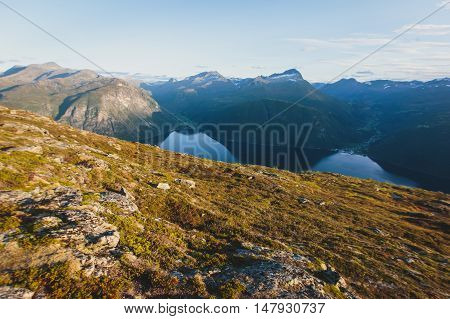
<point x="403" y="126"/>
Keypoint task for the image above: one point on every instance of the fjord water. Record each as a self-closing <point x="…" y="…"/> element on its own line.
<point x="359" y="166"/>
<point x="201" y="145"/>
<point x="198" y="144"/>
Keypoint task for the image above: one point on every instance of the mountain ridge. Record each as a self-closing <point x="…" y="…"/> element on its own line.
<point x="235" y="99"/>
<point x="83" y="99"/>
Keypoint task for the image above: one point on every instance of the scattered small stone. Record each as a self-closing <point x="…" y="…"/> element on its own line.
<point x="49" y="222"/>
<point x="303" y="200"/>
<point x="114" y="156"/>
<point x="89" y="162"/>
<point x="377" y="230"/>
<point x="126" y="193"/>
<point x="122" y="198"/>
<point x="214" y="271"/>
<point x="186" y="182"/>
<point x="58" y="160"/>
<point x="116" y="146"/>
<point x="163" y="186"/>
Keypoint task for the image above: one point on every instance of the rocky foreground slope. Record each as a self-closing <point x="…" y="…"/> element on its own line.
<point x="83" y="215"/>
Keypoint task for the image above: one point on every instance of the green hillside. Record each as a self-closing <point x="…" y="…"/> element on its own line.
<point x="88" y="216"/>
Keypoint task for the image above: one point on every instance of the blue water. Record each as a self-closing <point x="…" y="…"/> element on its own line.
<point x="359" y="166"/>
<point x="198" y="144"/>
<point x="201" y="145"/>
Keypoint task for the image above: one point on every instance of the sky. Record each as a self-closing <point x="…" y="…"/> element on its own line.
<point x="245" y="38"/>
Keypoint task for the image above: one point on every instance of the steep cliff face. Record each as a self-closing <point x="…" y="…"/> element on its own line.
<point x="84" y="215"/>
<point x="114" y="109"/>
<point x="83" y="99"/>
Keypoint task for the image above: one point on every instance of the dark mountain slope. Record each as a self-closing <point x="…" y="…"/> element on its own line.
<point x="411" y="118"/>
<point x="210" y="98"/>
<point x="326" y="132"/>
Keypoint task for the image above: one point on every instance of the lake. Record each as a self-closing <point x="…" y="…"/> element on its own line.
<point x="198" y="144"/>
<point x="201" y="145"/>
<point x="359" y="166"/>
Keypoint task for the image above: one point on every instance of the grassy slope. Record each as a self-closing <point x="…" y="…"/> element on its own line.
<point x="360" y="227"/>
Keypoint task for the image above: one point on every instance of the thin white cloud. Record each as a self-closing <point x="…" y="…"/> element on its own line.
<point x="409" y="57"/>
<point x="347" y="42"/>
<point x="426" y="29"/>
<point x="362" y="74"/>
<point x="366" y="72"/>
<point x="9" y="62"/>
<point x="257" y="67"/>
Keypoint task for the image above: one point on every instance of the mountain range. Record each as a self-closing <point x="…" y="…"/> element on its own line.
<point x="279" y="99"/>
<point x="403" y="125"/>
<point x="83" y="99"/>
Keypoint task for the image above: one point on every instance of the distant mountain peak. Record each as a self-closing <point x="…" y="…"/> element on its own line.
<point x="291" y="74"/>
<point x="50" y="65"/>
<point x="205" y="78"/>
<point x="290" y="71"/>
<point x="45" y="71"/>
<point x="353" y="80"/>
<point x="207" y="74"/>
<point x="210" y="73"/>
<point x="348" y="81"/>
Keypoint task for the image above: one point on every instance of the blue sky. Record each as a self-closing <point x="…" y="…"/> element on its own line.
<point x="237" y="38"/>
